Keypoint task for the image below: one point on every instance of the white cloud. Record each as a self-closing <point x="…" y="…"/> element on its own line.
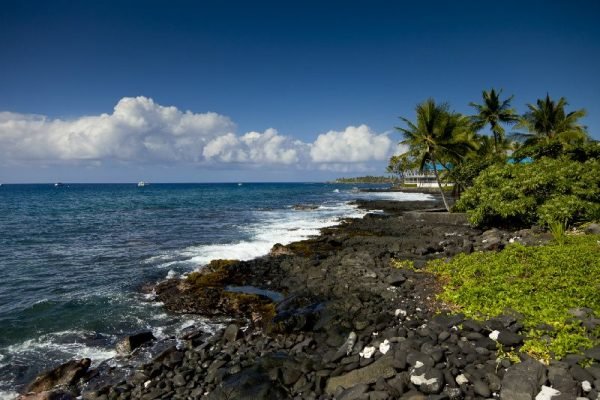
<point x="137" y="130"/>
<point x="400" y="149"/>
<point x="354" y="144"/>
<point x="141" y="131"/>
<point x="268" y="148"/>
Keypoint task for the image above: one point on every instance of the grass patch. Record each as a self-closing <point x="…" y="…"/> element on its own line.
<point x="540" y="283"/>
<point x="558" y="230"/>
<point x="404" y="264"/>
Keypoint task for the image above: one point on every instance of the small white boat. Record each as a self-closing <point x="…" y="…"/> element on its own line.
<point x="141" y="184"/>
<point x="239" y="184"/>
<point x="57" y="184"/>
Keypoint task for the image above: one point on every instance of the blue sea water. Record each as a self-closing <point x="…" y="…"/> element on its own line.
<point x="74" y="257"/>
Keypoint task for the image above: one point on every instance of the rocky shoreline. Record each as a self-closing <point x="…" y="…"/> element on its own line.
<point x="329" y="317"/>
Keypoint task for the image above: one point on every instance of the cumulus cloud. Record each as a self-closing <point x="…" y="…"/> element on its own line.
<point x="139" y="131"/>
<point x="268" y="147"/>
<point x="354" y="144"/>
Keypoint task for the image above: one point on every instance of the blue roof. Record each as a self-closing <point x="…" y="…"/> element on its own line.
<point x="439" y="166"/>
<point x="526" y="160"/>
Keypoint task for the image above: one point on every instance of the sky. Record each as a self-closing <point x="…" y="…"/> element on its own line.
<point x="198" y="91"/>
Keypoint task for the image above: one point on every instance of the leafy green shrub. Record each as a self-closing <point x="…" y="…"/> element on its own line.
<point x="464" y="173"/>
<point x="555" y="149"/>
<point x="539" y="283"/>
<point x="544" y="191"/>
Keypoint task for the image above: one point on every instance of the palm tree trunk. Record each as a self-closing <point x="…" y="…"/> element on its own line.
<point x="493" y="126"/>
<point x="437" y="178"/>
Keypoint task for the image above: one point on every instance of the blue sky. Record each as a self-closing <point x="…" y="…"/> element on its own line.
<point x="298" y="90"/>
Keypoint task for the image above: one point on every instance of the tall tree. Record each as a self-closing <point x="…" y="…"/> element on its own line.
<point x="494" y="112"/>
<point x="547" y="121"/>
<point x="436" y="137"/>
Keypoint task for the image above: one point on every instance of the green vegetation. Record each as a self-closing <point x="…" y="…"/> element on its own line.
<point x="556" y="148"/>
<point x="548" y="120"/>
<point x="399" y="164"/>
<point x="449" y="144"/>
<point x="541" y="284"/>
<point x="367" y="179"/>
<point x="438" y="136"/>
<point x="404" y="264"/>
<point x="547" y="174"/>
<point x="558" y="229"/>
<point x="494" y="112"/>
<point x="545" y="191"/>
<point x="214" y="274"/>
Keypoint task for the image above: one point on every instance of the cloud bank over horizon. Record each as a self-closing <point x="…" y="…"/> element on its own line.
<point x="141" y="131"/>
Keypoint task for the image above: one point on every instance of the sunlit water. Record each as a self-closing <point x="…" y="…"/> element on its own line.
<point x="73" y="257"/>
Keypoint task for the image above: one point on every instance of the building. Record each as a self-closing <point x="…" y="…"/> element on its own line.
<point x="422" y="179"/>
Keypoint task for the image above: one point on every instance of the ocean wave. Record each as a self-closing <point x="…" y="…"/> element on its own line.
<point x="65" y="345"/>
<point x="397" y="196"/>
<point x="275" y="226"/>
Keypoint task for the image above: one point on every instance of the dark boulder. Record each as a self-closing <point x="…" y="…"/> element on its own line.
<point x="396" y="278"/>
<point x="508" y="338"/>
<point x="231" y="334"/>
<point x="429" y="380"/>
<point x="249" y="384"/>
<point x="383" y="367"/>
<point x="67" y="374"/>
<point x="132" y="342"/>
<point x="593" y="229"/>
<point x="280" y="250"/>
<point x="593" y="353"/>
<point x="522" y="381"/>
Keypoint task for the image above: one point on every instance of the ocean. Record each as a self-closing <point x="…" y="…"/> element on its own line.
<point x="73" y="258"/>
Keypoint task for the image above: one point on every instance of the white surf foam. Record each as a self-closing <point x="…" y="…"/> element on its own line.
<point x="397" y="196"/>
<point x="8" y="395"/>
<point x="204" y="324"/>
<point x="62" y="345"/>
<point x="283" y="227"/>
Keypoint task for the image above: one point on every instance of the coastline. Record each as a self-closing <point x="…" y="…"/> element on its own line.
<point x="349" y="324"/>
<point x="428" y="190"/>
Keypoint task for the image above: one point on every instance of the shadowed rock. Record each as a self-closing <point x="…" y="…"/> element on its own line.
<point x="67" y="374"/>
<point x="522" y="381"/>
<point x="132" y="342"/>
<point x="369" y="374"/>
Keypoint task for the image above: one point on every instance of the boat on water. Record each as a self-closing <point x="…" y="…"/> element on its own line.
<point x="141" y="184"/>
<point x="57" y="184"/>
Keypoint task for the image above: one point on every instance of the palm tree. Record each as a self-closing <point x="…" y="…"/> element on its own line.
<point x="398" y="164"/>
<point x="437" y="136"/>
<point x="494" y="112"/>
<point x="548" y="120"/>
